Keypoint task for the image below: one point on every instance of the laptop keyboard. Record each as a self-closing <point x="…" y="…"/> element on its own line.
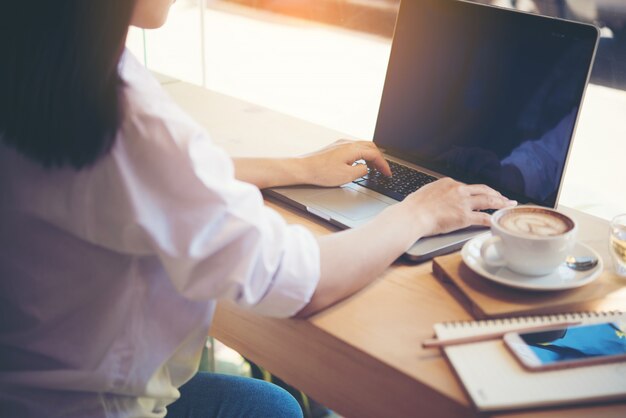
<point x="402" y="183"/>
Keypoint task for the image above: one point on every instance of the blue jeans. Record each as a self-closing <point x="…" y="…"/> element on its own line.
<point x="217" y="395"/>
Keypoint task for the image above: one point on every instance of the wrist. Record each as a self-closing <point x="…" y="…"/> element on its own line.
<point x="299" y="169"/>
<point x="424" y="220"/>
<point x="306" y="170"/>
<point x="412" y="221"/>
<point x="286" y="172"/>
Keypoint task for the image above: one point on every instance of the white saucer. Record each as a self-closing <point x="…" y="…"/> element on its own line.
<point x="561" y="278"/>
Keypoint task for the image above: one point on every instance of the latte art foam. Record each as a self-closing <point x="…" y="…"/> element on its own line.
<point x="535" y="222"/>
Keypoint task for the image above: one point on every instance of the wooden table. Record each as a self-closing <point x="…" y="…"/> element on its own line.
<point x="361" y="357"/>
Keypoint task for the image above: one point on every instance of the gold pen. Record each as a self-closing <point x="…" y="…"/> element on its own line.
<point x="435" y="342"/>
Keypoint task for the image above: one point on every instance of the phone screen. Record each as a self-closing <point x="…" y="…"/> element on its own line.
<point x="577" y="342"/>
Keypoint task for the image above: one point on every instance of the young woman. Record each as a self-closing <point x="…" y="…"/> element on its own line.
<point x="121" y="224"/>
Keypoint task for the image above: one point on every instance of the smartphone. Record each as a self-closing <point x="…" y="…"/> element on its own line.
<point x="579" y="345"/>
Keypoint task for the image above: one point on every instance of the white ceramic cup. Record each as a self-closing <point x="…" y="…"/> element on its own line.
<point x="529" y="240"/>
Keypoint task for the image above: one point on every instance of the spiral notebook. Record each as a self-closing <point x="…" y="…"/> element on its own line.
<point x="495" y="381"/>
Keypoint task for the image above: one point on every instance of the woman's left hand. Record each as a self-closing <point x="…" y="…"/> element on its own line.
<point x="335" y="165"/>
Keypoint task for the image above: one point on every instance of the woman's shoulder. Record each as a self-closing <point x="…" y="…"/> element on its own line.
<point x="151" y="116"/>
<point x="158" y="136"/>
<point x="143" y="94"/>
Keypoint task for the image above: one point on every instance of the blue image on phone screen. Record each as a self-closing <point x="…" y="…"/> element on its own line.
<point x="577" y="343"/>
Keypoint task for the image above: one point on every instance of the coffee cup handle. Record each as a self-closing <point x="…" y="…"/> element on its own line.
<point x="496" y="243"/>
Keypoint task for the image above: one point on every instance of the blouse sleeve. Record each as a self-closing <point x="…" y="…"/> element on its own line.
<point x="175" y="197"/>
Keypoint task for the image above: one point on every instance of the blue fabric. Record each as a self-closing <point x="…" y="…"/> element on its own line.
<point x="223" y="396"/>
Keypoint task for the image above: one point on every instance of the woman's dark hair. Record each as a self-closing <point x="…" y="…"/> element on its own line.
<point x="61" y="95"/>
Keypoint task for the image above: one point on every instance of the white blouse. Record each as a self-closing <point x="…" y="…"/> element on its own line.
<point x="109" y="275"/>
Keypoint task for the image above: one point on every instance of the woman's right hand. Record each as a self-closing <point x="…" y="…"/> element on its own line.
<point x="447" y="205"/>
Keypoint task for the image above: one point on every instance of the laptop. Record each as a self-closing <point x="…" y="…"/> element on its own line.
<point x="478" y="93"/>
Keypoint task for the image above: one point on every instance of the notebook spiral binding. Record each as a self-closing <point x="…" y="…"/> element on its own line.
<point x="531" y="320"/>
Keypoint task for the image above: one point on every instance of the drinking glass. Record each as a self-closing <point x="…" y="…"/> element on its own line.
<point x="617" y="243"/>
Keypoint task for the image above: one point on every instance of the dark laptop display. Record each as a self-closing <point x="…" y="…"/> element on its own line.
<point x="490" y="96"/>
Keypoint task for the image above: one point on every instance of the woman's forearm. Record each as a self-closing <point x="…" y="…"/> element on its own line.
<point x="352" y="259"/>
<point x="271" y="172"/>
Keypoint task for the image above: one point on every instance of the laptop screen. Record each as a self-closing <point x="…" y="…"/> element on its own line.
<point x="485" y="95"/>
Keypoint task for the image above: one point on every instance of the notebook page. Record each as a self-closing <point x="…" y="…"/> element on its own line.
<point x="496" y="381"/>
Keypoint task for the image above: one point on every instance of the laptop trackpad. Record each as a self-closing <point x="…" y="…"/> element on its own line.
<point x="349" y="203"/>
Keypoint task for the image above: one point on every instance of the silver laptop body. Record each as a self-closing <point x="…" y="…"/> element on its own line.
<point x="478" y="93"/>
